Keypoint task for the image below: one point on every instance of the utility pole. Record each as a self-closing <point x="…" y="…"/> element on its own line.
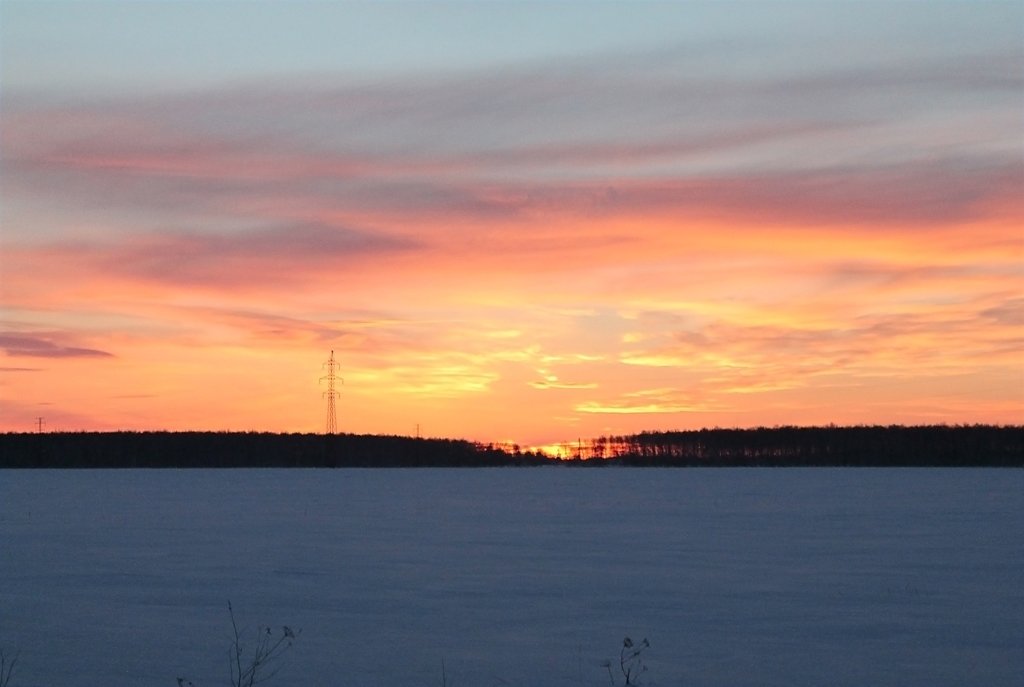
<point x="331" y="394"/>
<point x="40" y="421"/>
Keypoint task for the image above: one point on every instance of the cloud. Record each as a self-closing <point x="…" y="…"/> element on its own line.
<point x="1010" y="312"/>
<point x="557" y="384"/>
<point x="736" y="358"/>
<point x="35" y="346"/>
<point x="436" y="376"/>
<point x="259" y="257"/>
<point x="874" y="198"/>
<point x="268" y="326"/>
<point x="650" y="401"/>
<point x="595" y="178"/>
<point x="525" y="141"/>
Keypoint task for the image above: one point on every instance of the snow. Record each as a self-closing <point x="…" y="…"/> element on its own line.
<point x="517" y="576"/>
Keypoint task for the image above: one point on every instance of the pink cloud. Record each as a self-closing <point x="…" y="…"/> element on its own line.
<point x="34" y="345"/>
<point x="518" y="143"/>
<point x="261" y="257"/>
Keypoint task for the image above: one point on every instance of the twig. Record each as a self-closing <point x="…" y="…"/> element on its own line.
<point x="6" y="668"/>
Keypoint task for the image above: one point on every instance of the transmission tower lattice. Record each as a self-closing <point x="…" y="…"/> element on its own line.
<point x="332" y="419"/>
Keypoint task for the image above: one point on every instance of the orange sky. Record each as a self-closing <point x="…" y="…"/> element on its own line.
<point x="535" y="249"/>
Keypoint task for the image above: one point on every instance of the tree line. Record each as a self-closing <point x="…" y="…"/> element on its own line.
<point x="246" y="449"/>
<point x="865" y="446"/>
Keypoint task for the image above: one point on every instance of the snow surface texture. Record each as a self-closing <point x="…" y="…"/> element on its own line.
<point x="517" y="576"/>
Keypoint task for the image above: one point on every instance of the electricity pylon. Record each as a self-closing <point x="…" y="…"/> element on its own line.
<point x="331" y="394"/>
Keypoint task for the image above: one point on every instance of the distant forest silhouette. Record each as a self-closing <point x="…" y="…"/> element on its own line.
<point x="864" y="446"/>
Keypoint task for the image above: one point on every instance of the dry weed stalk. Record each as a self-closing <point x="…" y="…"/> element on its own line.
<point x="6" y="668"/>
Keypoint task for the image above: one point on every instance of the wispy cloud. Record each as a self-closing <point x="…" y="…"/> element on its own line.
<point x="556" y="383"/>
<point x="737" y="359"/>
<point x="469" y="143"/>
<point x="1010" y="312"/>
<point x="43" y="346"/>
<point x="260" y="257"/>
<point x="650" y="402"/>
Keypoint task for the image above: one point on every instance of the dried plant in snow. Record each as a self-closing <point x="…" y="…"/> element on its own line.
<point x="6" y="668"/>
<point x="631" y="663"/>
<point x="261" y="662"/>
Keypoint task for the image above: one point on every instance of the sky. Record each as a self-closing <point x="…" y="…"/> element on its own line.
<point x="510" y="221"/>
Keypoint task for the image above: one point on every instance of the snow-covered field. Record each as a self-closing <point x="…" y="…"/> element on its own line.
<point x="525" y="577"/>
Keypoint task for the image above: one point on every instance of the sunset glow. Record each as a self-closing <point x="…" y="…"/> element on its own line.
<point x="511" y="221"/>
